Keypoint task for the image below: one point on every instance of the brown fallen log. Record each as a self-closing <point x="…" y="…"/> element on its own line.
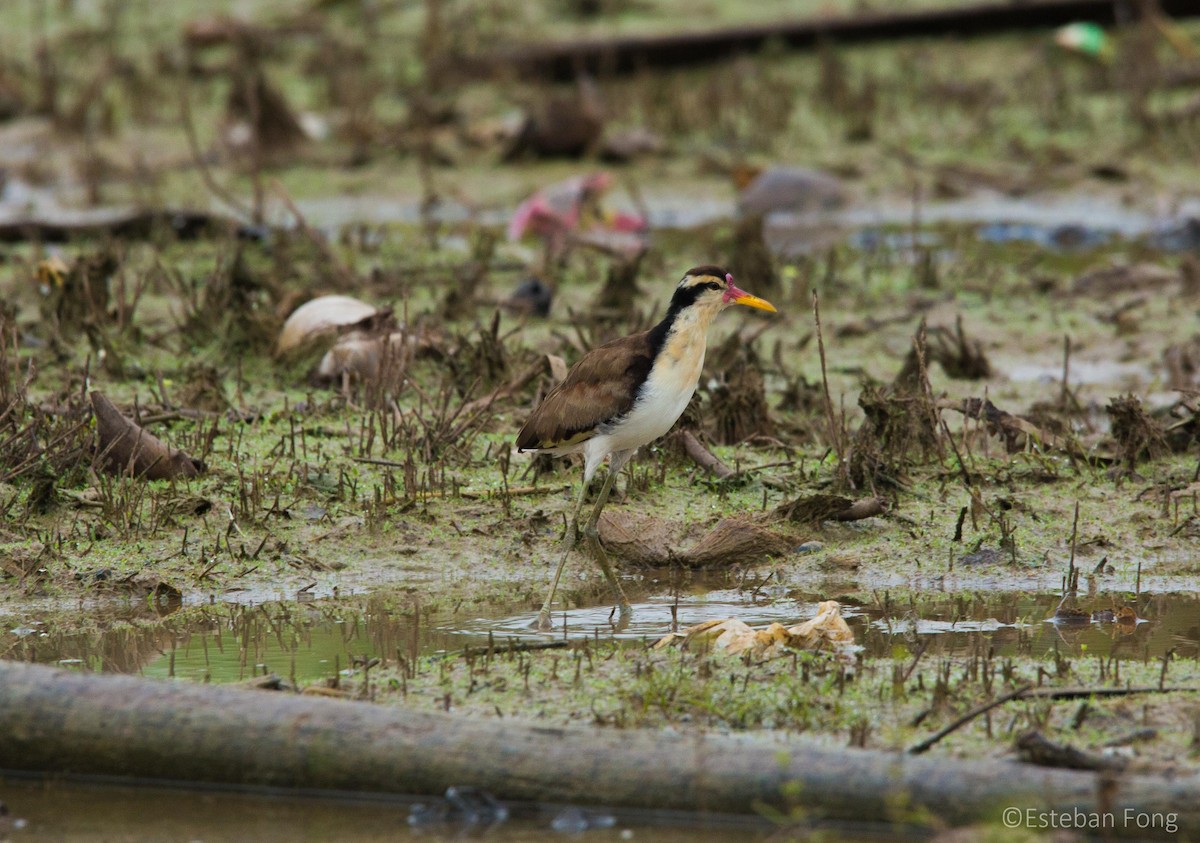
<point x="123" y="224"/>
<point x="59" y="721"/>
<point x="1077" y="693"/>
<point x="563" y="61"/>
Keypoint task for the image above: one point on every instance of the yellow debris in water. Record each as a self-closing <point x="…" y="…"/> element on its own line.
<point x="826" y="630"/>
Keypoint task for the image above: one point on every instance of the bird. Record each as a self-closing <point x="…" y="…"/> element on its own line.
<point x="799" y="190"/>
<point x="625" y="394"/>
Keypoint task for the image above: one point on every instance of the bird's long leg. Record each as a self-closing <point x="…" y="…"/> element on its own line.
<point x="543" y="621"/>
<point x="616" y="463"/>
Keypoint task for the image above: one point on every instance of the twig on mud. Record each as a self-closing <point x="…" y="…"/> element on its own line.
<point x="924" y="745"/>
<point x="750" y="469"/>
<point x="1033" y="747"/>
<point x="379" y="461"/>
<point x="814" y="509"/>
<point x="511" y="491"/>
<point x="179" y="415"/>
<point x="703" y="457"/>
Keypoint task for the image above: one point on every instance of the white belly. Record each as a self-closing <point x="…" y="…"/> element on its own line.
<point x="651" y="417"/>
<point x="661" y="400"/>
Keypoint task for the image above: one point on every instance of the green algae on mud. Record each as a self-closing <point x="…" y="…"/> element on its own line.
<point x="289" y="502"/>
<point x="291" y="507"/>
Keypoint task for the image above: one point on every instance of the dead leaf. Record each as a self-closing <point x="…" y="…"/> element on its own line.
<point x="126" y="448"/>
<point x="558" y="368"/>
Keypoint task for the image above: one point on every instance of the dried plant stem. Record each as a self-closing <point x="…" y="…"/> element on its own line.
<point x="1072" y="576"/>
<point x="835" y="432"/>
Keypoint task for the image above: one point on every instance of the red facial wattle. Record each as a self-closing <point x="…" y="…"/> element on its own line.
<point x="736" y="295"/>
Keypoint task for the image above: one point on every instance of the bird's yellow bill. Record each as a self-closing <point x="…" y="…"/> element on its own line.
<point x="754" y="301"/>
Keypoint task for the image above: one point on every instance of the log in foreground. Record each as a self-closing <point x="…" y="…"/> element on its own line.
<point x="60" y="721"/>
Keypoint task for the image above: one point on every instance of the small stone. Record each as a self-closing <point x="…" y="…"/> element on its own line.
<point x="984" y="556"/>
<point x="569" y="821"/>
<point x="810" y="547"/>
<point x="576" y="820"/>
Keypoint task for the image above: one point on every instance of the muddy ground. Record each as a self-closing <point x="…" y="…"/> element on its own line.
<point x="1014" y="227"/>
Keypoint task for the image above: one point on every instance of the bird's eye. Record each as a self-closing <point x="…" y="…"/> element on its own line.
<point x="713" y="285"/>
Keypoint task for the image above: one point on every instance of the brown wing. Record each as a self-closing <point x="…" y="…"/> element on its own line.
<point x="601" y="387"/>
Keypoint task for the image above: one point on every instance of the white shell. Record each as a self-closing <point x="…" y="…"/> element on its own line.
<point x="319" y="318"/>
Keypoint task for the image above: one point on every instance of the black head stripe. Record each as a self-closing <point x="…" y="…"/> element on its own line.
<point x="685" y="296"/>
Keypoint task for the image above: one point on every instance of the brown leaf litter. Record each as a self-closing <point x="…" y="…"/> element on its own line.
<point x="651" y="541"/>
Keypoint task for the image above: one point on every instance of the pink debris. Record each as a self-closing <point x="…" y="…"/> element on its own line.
<point x="571" y="205"/>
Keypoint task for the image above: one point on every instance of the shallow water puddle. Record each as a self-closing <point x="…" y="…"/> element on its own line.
<point x="651" y="618"/>
<point x="327" y="637"/>
<point x="42" y="811"/>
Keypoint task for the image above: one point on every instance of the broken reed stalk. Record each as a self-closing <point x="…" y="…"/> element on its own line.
<point x="835" y="433"/>
<point x="920" y="347"/>
<point x="962" y="465"/>
<point x="924" y="745"/>
<point x="1072" y="574"/>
